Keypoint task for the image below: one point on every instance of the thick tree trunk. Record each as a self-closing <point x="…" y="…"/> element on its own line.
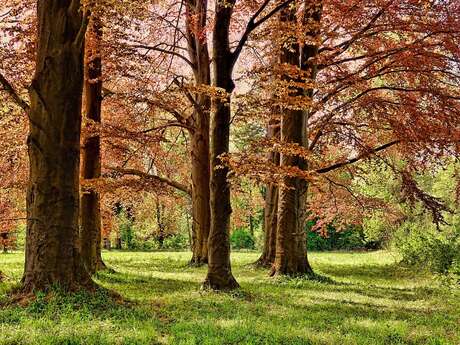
<point x="199" y="56"/>
<point x="271" y="206"/>
<point x="291" y="250"/>
<point x="52" y="250"/>
<point x="220" y="275"/>
<point x="90" y="211"/>
<point x="200" y="192"/>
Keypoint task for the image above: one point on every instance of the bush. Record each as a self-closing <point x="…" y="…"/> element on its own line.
<point x="454" y="270"/>
<point x="434" y="250"/>
<point x="143" y="245"/>
<point x="351" y="238"/>
<point x="377" y="230"/>
<point x="127" y="235"/>
<point x="241" y="239"/>
<point x="179" y="241"/>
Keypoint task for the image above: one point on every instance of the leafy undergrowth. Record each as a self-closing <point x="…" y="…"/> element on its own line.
<point x="357" y="298"/>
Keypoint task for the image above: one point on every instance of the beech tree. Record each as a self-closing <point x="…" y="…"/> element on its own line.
<point x="291" y="251"/>
<point x="334" y="82"/>
<point x="52" y="253"/>
<point x="90" y="210"/>
<point x="376" y="62"/>
<point x="197" y="43"/>
<point x="219" y="275"/>
<point x="270" y="224"/>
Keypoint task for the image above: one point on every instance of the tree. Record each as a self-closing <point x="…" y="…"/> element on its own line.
<point x="387" y="80"/>
<point x="7" y="225"/>
<point x="52" y="253"/>
<point x="90" y="210"/>
<point x="196" y="16"/>
<point x="219" y="275"/>
<point x="291" y="251"/>
<point x="271" y="205"/>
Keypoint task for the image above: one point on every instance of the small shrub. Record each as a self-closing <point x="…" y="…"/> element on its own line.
<point x="349" y="239"/>
<point x="178" y="242"/>
<point x="434" y="250"/>
<point x="454" y="271"/>
<point x="242" y="239"/>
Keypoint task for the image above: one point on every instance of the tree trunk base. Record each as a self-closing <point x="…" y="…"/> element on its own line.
<point x="101" y="266"/>
<point x="220" y="283"/>
<point x="198" y="261"/>
<point x="301" y="270"/>
<point x="263" y="262"/>
<point x="74" y="279"/>
<point x="44" y="283"/>
<point x="20" y="297"/>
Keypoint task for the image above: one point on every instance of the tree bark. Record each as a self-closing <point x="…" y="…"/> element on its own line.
<point x="291" y="250"/>
<point x="196" y="16"/>
<point x="90" y="211"/>
<point x="271" y="205"/>
<point x="161" y="235"/>
<point x="52" y="249"/>
<point x="4" y="241"/>
<point x="220" y="275"/>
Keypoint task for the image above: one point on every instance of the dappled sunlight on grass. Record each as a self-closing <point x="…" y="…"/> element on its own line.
<point x="361" y="298"/>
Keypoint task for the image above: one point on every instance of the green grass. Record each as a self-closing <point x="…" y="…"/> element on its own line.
<point x="370" y="300"/>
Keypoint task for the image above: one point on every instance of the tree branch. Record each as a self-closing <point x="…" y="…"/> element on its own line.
<point x="13" y="94"/>
<point x="169" y="182"/>
<point x="161" y="50"/>
<point x="357" y="158"/>
<point x="254" y="24"/>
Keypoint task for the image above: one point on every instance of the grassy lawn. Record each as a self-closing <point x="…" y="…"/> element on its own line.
<point x="370" y="300"/>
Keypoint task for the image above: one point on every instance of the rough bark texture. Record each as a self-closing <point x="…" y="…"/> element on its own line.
<point x="271" y="206"/>
<point x="90" y="211"/>
<point x="291" y="251"/>
<point x="201" y="172"/>
<point x="52" y="250"/>
<point x="220" y="275"/>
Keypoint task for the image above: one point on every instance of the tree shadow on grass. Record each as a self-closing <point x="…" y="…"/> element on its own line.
<point x="130" y="282"/>
<point x="158" y="265"/>
<point x="58" y="317"/>
<point x="366" y="272"/>
<point x="326" y="321"/>
<point x="329" y="285"/>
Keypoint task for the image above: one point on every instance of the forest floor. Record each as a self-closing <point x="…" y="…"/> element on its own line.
<point x="369" y="300"/>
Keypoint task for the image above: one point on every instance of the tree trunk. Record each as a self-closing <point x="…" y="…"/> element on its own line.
<point x="271" y="206"/>
<point x="52" y="249"/>
<point x="4" y="241"/>
<point x="200" y="193"/>
<point x="291" y="250"/>
<point x="118" y="243"/>
<point x="161" y="226"/>
<point x="220" y="275"/>
<point x="90" y="212"/>
<point x="199" y="56"/>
